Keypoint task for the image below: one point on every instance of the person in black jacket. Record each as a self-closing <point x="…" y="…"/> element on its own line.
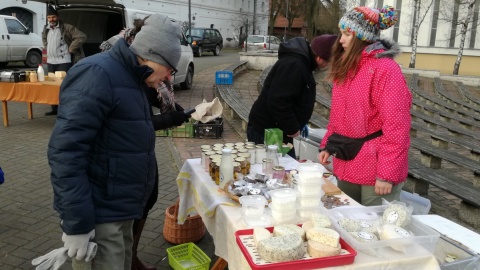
<point x="102" y="148"/>
<point x="288" y="94"/>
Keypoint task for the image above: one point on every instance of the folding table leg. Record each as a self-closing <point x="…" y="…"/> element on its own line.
<point x="30" y="112"/>
<point x="5" y="113"/>
<point x="220" y="264"/>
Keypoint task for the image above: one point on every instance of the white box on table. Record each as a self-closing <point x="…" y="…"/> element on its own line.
<point x="423" y="242"/>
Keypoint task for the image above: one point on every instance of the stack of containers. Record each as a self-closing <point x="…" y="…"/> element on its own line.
<point x="309" y="186"/>
<point x="283" y="206"/>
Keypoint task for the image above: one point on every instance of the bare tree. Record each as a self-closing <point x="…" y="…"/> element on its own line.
<point x="273" y="14"/>
<point x="420" y="10"/>
<point x="291" y="9"/>
<point x="459" y="13"/>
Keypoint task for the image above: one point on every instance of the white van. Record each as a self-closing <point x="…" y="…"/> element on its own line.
<point x="102" y="19"/>
<point x="17" y="43"/>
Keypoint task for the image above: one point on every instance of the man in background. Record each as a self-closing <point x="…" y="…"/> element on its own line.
<point x="64" y="45"/>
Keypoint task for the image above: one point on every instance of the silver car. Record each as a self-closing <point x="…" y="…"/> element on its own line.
<point x="259" y="42"/>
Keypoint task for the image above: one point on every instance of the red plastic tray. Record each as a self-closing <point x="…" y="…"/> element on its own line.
<point x="305" y="263"/>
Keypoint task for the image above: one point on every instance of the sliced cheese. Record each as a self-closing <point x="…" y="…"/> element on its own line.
<point x="307" y="225"/>
<point x="284" y="248"/>
<point x="319" y="250"/>
<point x="260" y="233"/>
<point x="324" y="235"/>
<point x="284" y="229"/>
<point x="320" y="220"/>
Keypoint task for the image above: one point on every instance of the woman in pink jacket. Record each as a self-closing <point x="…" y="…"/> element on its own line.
<point x="370" y="102"/>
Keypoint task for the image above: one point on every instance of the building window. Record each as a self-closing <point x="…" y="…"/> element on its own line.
<point x="453" y="32"/>
<point x="433" y="31"/>
<point x="474" y="28"/>
<point x="396" y="27"/>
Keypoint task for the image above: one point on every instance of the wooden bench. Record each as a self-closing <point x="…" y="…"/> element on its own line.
<point x="467" y="95"/>
<point x="449" y="98"/>
<point x="233" y="104"/>
<point x="446" y="109"/>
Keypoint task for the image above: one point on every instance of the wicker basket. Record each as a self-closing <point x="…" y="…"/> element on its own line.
<point x="191" y="230"/>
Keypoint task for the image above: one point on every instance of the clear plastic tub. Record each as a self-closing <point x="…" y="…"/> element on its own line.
<point x="306" y="212"/>
<point x="283" y="216"/>
<point x="310" y="173"/>
<point x="310" y="189"/>
<point x="253" y="205"/>
<point x="283" y="197"/>
<point x="421" y="205"/>
<point x="310" y="201"/>
<point x="423" y="241"/>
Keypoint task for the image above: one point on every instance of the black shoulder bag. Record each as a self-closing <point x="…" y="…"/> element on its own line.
<point x="346" y="148"/>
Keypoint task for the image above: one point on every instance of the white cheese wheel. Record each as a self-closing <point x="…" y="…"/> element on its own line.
<point x="320" y="220"/>
<point x="390" y="231"/>
<point x="260" y="233"/>
<point x="307" y="225"/>
<point x="319" y="250"/>
<point x="284" y="248"/>
<point x="370" y="225"/>
<point x="364" y="236"/>
<point x="324" y="235"/>
<point x="396" y="214"/>
<point x="284" y="229"/>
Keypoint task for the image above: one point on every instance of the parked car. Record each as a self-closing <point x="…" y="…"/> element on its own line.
<point x="17" y="43"/>
<point x="259" y="42"/>
<point x="205" y="40"/>
<point x="110" y="17"/>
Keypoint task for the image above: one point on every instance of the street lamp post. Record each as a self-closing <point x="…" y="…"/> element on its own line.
<point x="286" y="18"/>
<point x="190" y="18"/>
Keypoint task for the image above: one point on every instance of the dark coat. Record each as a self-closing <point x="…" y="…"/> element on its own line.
<point x="72" y="36"/>
<point x="101" y="151"/>
<point x="288" y="93"/>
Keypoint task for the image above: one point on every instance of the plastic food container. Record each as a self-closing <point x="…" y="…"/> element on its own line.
<point x="283" y="197"/>
<point x="253" y="205"/>
<point x="310" y="173"/>
<point x="284" y="216"/>
<point x="310" y="189"/>
<point x="310" y="201"/>
<point x="187" y="256"/>
<point x="421" y="205"/>
<point x="423" y="241"/>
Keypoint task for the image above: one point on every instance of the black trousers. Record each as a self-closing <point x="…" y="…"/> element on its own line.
<point x="58" y="67"/>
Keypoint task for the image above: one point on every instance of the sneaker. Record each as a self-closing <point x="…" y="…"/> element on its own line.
<point x="51" y="113"/>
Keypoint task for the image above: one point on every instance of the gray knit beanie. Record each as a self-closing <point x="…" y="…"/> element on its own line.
<point x="159" y="41"/>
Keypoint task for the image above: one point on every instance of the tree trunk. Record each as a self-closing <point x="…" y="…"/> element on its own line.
<point x="416" y="27"/>
<point x="463" y="33"/>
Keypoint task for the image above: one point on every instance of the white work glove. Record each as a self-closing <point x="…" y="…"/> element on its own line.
<point x="52" y="260"/>
<point x="77" y="244"/>
<point x="57" y="257"/>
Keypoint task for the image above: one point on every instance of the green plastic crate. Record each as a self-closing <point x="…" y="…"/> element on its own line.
<point x="163" y="133"/>
<point x="188" y="256"/>
<point x="184" y="131"/>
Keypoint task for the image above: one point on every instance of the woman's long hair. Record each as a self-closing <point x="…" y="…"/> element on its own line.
<point x="343" y="62"/>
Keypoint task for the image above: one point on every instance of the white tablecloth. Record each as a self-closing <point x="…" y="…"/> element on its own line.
<point x="222" y="219"/>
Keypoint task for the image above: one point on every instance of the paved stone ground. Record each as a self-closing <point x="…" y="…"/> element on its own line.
<point x="29" y="227"/>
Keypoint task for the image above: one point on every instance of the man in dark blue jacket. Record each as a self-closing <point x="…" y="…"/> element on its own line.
<point x="101" y="151"/>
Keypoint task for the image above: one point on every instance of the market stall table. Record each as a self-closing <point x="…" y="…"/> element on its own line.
<point x="222" y="218"/>
<point x="31" y="92"/>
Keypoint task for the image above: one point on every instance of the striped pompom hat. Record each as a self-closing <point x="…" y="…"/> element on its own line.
<point x="365" y="23"/>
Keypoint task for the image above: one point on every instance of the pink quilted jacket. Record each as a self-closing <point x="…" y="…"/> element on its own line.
<point x="376" y="97"/>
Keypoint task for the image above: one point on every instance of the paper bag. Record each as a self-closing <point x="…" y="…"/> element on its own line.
<point x="207" y="111"/>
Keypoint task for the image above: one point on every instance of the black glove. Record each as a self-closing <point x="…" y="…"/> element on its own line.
<point x="178" y="107"/>
<point x="179" y="117"/>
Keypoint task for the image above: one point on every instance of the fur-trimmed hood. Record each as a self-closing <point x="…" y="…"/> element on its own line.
<point x="390" y="49"/>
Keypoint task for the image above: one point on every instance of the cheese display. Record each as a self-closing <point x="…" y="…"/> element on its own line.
<point x="260" y="233"/>
<point x="284" y="248"/>
<point x="364" y="236"/>
<point x="324" y="235"/>
<point x="320" y="220"/>
<point x="319" y="250"/>
<point x="390" y="231"/>
<point x="350" y="225"/>
<point x="396" y="214"/>
<point x="285" y="229"/>
<point x="307" y="225"/>
<point x="370" y="225"/>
